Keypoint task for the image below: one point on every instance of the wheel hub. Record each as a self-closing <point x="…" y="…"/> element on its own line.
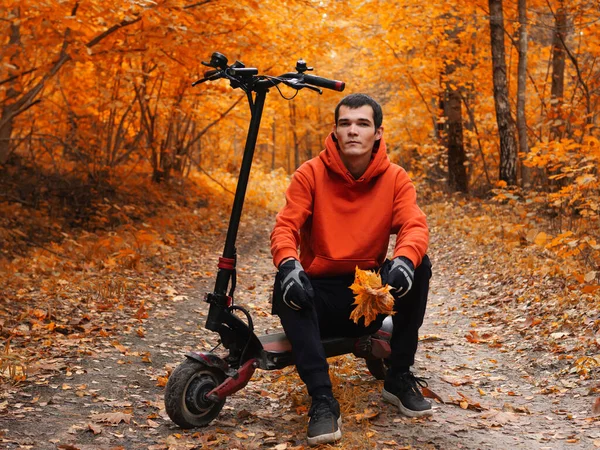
<point x="196" y="395"/>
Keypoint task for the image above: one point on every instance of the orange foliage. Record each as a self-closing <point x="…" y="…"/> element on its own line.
<point x="96" y="100"/>
<point x="371" y="298"/>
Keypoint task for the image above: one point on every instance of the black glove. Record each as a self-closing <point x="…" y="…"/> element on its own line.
<point x="400" y="274"/>
<point x="296" y="291"/>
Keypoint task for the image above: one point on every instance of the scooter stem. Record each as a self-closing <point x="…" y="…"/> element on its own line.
<point x="242" y="184"/>
<point x="224" y="274"/>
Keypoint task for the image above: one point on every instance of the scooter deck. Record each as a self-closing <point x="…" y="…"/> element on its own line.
<point x="334" y="346"/>
<point x="275" y="343"/>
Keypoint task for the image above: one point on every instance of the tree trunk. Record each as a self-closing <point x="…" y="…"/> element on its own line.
<point x="309" y="144"/>
<point x="6" y="129"/>
<point x="8" y="110"/>
<point x="288" y="150"/>
<point x="508" y="144"/>
<point x="457" y="171"/>
<point x="274" y="145"/>
<point x="453" y="125"/>
<point x="521" y="90"/>
<point x="558" y="70"/>
<point x="295" y="136"/>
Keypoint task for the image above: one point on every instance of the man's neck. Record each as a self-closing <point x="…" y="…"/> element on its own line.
<point x="356" y="166"/>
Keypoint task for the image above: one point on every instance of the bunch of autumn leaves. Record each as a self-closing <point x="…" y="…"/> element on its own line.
<point x="371" y="298"/>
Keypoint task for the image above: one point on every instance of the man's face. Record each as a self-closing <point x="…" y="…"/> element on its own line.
<point x="355" y="131"/>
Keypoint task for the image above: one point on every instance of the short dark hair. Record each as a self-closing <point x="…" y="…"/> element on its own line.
<point x="355" y="101"/>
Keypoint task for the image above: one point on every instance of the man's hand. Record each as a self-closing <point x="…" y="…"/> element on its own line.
<point x="297" y="292"/>
<point x="400" y="274"/>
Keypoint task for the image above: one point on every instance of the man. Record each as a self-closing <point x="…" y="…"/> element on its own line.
<point x="341" y="208"/>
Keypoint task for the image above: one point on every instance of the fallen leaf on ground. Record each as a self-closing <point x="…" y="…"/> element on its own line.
<point x="120" y="347"/>
<point x="94" y="428"/>
<point x="428" y="393"/>
<point x="141" y="312"/>
<point x="515" y="409"/>
<point x="456" y="381"/>
<point x="430" y="338"/>
<point x="466" y="403"/>
<point x="498" y="418"/>
<point x="367" y="414"/>
<point x="475" y="338"/>
<point x="596" y="407"/>
<point x="112" y="418"/>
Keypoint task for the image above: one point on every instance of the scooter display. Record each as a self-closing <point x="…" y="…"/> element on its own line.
<point x="198" y="387"/>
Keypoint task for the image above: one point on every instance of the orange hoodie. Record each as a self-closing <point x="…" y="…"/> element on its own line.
<point x="340" y="222"/>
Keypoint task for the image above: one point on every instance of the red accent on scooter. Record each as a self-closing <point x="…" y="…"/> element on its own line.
<point x="383" y="334"/>
<point x="226" y="263"/>
<point x="234" y="383"/>
<point x="380" y="348"/>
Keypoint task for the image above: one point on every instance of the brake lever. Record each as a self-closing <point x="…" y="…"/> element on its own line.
<point x="313" y="88"/>
<point x="209" y="76"/>
<point x="201" y="80"/>
<point x="297" y="84"/>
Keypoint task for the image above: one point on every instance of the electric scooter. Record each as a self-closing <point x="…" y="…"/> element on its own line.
<point x="197" y="389"/>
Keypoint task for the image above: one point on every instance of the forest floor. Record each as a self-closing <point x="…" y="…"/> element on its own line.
<point x="99" y="382"/>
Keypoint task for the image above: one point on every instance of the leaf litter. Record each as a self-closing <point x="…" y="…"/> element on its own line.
<point x="485" y="378"/>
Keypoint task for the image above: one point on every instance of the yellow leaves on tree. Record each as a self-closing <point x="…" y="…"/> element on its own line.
<point x="371" y="298"/>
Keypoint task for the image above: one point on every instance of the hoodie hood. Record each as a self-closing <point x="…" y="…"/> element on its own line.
<point x="332" y="160"/>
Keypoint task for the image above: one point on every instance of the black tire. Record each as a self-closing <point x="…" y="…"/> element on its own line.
<point x="185" y="394"/>
<point x="377" y="367"/>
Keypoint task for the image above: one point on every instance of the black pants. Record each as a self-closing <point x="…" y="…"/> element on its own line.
<point x="331" y="317"/>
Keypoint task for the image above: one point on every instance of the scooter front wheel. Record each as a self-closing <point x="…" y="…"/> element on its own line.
<point x="185" y="395"/>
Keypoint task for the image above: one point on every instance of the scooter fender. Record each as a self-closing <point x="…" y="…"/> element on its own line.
<point x="209" y="360"/>
<point x="380" y="340"/>
<point x="385" y="331"/>
<point x="376" y="345"/>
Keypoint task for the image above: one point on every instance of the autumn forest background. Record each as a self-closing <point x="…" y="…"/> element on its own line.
<point x="109" y="157"/>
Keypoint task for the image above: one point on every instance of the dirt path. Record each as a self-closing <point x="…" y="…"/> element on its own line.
<point x="497" y="393"/>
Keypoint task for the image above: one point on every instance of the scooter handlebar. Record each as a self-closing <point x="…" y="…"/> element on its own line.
<point x="239" y="75"/>
<point x="324" y="83"/>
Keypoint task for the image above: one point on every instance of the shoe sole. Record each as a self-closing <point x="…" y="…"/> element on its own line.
<point x="327" y="438"/>
<point x="391" y="398"/>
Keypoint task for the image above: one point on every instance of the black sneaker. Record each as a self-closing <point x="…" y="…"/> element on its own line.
<point x="325" y="422"/>
<point x="403" y="391"/>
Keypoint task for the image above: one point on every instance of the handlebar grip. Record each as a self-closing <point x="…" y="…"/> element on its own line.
<point x="325" y="83"/>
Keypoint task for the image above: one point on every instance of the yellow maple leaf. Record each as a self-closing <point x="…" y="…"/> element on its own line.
<point x="371" y="298"/>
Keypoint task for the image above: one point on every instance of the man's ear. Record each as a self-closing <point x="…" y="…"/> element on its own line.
<point x="334" y="134"/>
<point x="379" y="133"/>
